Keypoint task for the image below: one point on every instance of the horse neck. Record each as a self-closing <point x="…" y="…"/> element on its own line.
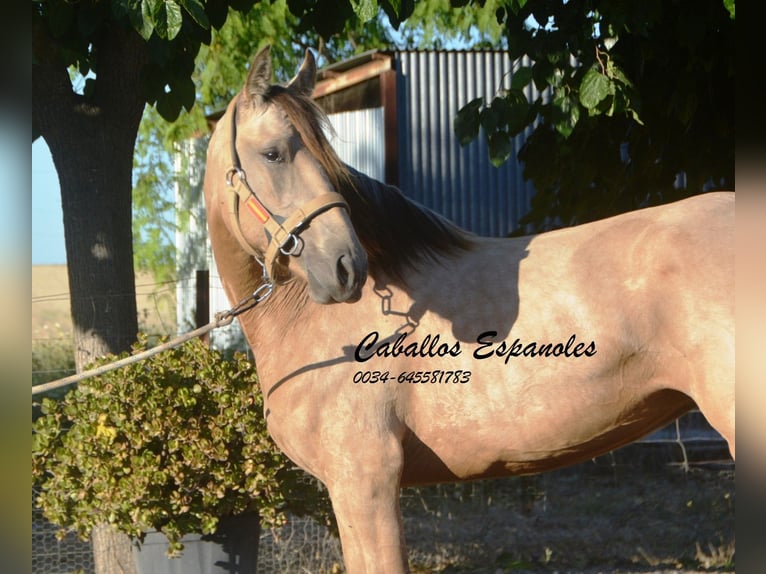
<point x="276" y="317"/>
<point x="242" y="276"/>
<point x="399" y="235"/>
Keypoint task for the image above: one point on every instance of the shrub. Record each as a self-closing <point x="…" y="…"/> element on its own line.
<point x="172" y="443"/>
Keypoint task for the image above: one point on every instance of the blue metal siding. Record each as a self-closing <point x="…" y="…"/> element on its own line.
<point x="458" y="182"/>
<point x="358" y="140"/>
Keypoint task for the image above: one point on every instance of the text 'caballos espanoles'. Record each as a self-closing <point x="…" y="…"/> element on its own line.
<point x="433" y="346"/>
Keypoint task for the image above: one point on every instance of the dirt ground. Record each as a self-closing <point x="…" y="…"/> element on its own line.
<point x="592" y="518"/>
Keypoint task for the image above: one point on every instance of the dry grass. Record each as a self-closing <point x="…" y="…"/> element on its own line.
<point x="50" y="304"/>
<point x="594" y="518"/>
<point x="580" y="520"/>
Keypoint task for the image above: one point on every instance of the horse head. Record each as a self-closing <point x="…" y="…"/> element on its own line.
<point x="285" y="182"/>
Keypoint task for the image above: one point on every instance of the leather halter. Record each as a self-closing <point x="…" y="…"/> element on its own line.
<point x="281" y="233"/>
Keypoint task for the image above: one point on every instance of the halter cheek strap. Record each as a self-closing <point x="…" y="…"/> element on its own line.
<point x="232" y="203"/>
<point x="282" y="237"/>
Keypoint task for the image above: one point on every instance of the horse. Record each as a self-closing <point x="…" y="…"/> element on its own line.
<point x="394" y="348"/>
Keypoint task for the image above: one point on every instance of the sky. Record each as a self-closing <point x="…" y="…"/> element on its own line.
<point x="47" y="219"/>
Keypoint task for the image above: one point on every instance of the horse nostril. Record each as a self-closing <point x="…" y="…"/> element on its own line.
<point x="344" y="271"/>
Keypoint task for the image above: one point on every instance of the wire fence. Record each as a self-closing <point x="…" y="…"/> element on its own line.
<point x="302" y="545"/>
<point x="51" y="555"/>
<point x="601" y="513"/>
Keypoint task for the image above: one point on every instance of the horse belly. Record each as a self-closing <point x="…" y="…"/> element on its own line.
<point x="505" y="422"/>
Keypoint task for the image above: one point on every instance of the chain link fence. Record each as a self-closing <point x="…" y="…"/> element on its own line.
<point x="53" y="556"/>
<point x="302" y="545"/>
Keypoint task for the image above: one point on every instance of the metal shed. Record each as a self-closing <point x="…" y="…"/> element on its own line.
<point x="399" y="108"/>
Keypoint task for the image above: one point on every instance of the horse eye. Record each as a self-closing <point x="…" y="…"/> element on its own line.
<point x="272" y="156"/>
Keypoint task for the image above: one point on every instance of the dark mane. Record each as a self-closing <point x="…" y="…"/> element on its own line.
<point x="397" y="233"/>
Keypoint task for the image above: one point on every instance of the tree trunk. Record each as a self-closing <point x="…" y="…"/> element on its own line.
<point x="91" y="141"/>
<point x="94" y="164"/>
<point x="112" y="552"/>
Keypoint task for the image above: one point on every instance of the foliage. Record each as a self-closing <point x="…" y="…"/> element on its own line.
<point x="173" y="32"/>
<point x="222" y="64"/>
<point x="329" y="18"/>
<point x="627" y="97"/>
<point x="439" y="24"/>
<point x="153" y="206"/>
<point x="172" y="444"/>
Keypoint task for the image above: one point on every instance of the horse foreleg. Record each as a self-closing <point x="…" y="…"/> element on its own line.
<point x="713" y="390"/>
<point x="365" y="498"/>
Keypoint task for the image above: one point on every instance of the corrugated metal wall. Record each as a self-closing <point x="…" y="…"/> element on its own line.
<point x="458" y="182"/>
<point x="192" y="250"/>
<point x="358" y="139"/>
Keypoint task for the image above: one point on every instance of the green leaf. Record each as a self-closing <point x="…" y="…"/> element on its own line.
<point x="516" y="5"/>
<point x="615" y="73"/>
<point x="521" y="77"/>
<point x="500" y="148"/>
<point x="143" y="22"/>
<point x="169" y="106"/>
<point x="365" y="10"/>
<point x="594" y="88"/>
<point x="729" y="5"/>
<point x="186" y="91"/>
<point x="174" y="18"/>
<point x="518" y="117"/>
<point x="60" y="17"/>
<point x="567" y="115"/>
<point x="197" y="11"/>
<point x="466" y="124"/>
<point x="167" y="18"/>
<point x="574" y="117"/>
<point x="543" y="74"/>
<point x="397" y="10"/>
<point x="490" y="117"/>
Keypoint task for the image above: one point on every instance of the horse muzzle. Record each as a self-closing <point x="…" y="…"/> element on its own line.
<point x="341" y="282"/>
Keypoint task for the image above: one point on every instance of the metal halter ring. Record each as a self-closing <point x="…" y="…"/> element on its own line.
<point x="294" y="247"/>
<point x="232" y="171"/>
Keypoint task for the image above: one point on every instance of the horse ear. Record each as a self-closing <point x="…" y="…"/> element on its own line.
<point x="259" y="76"/>
<point x="305" y="80"/>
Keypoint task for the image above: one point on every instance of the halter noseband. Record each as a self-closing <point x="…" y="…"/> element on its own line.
<point x="281" y="233"/>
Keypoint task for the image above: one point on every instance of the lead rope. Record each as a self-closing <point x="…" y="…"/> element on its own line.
<point x="221" y="319"/>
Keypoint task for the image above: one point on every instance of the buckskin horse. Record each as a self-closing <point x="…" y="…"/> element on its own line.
<point x="394" y="348"/>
